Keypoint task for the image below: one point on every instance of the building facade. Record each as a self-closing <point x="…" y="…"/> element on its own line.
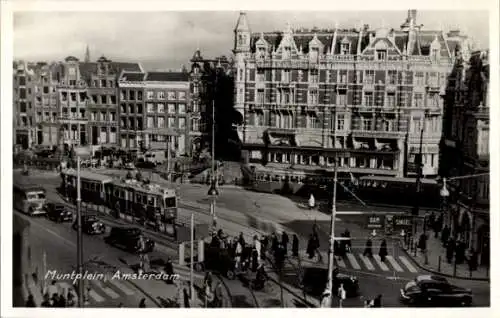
<point x="465" y="149"/>
<point x="212" y="94"/>
<point x="131" y="110"/>
<point x="365" y="98"/>
<point x="35" y="104"/>
<point x="167" y="114"/>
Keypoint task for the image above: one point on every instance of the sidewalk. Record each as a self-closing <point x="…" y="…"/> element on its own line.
<point x="438" y="264"/>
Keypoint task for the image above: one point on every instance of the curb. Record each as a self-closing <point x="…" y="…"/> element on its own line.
<point x="426" y="268"/>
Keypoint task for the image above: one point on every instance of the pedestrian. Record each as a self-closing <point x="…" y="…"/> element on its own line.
<point x="241" y="239"/>
<point x="274" y="243"/>
<point x="311" y="202"/>
<point x="61" y="301"/>
<point x="450" y="249"/>
<point x="383" y="250"/>
<point x="54" y="300"/>
<point x="279" y="257"/>
<point x="310" y="246"/>
<point x="218" y="296"/>
<point x="284" y="242"/>
<point x="238" y="252"/>
<point x="141" y="248"/>
<point x="377" y="302"/>
<point x="257" y="246"/>
<point x="46" y="300"/>
<point x="432" y="220"/>
<point x="208" y="280"/>
<point x="445" y="234"/>
<point x="422" y="242"/>
<point x="142" y="303"/>
<point x="316" y="249"/>
<point x="368" y="248"/>
<point x="30" y="302"/>
<point x="185" y="298"/>
<point x="255" y="260"/>
<point x="295" y="246"/>
<point x="347" y="235"/>
<point x="315" y="229"/>
<point x="70" y="298"/>
<point x="263" y="247"/>
<point x="460" y="252"/>
<point x="169" y="270"/>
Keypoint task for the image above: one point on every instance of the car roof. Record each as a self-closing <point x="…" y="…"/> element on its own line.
<point x="430" y="278"/>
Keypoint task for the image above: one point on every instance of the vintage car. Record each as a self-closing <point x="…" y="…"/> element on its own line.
<point x="314" y="281"/>
<point x="91" y="225"/>
<point x="434" y="291"/>
<point x="128" y="239"/>
<point x="58" y="212"/>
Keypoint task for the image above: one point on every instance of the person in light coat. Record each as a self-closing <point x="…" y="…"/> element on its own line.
<point x="312" y="202"/>
<point x="258" y="246"/>
<point x="238" y="252"/>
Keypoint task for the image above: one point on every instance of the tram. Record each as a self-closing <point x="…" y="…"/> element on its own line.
<point x="143" y="200"/>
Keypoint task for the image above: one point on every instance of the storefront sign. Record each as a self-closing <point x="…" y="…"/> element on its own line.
<point x="402" y="222"/>
<point x="375" y="221"/>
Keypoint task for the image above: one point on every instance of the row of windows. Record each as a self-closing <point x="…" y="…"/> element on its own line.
<point x="103" y="83"/>
<point x="103" y="99"/>
<point x="73" y="96"/>
<point x="159" y="122"/>
<point x="103" y="116"/>
<point x="162" y="95"/>
<point x="160" y="108"/>
<point x="46" y="116"/>
<point x="392" y="77"/>
<point x="377" y="98"/>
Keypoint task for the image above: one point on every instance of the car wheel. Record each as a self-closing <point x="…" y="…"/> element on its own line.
<point x="198" y="267"/>
<point x="466" y="301"/>
<point x="230" y="274"/>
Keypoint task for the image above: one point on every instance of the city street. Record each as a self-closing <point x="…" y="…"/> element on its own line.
<point x="375" y="277"/>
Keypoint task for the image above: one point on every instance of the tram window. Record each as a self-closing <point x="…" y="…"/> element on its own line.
<point x="92" y="187"/>
<point x="122" y="194"/>
<point x="98" y="187"/>
<point x="170" y="202"/>
<point x="138" y="198"/>
<point x="151" y="200"/>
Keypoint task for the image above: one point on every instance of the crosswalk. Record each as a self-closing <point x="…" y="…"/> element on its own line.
<point x="109" y="291"/>
<point x="357" y="261"/>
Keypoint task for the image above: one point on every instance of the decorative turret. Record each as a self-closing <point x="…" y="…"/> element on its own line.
<point x="87" y="55"/>
<point x="242" y="35"/>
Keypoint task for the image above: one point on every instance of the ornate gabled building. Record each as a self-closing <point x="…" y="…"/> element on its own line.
<point x="365" y="98"/>
<point x="103" y="98"/>
<point x="465" y="149"/>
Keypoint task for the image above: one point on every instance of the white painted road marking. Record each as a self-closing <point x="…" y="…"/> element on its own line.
<point x="95" y="296"/>
<point x="394" y="263"/>
<point x="353" y="261"/>
<point x="408" y="264"/>
<point x="380" y="263"/>
<point x="367" y="262"/>
<point x="121" y="287"/>
<point x="111" y="293"/>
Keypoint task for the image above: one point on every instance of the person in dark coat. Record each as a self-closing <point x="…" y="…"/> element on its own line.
<point x="368" y="248"/>
<point x="473" y="260"/>
<point x="422" y="242"/>
<point x="445" y="235"/>
<point x="186" y="298"/>
<point x="438" y="225"/>
<point x="215" y="241"/>
<point x="142" y="303"/>
<point x="295" y="246"/>
<point x="460" y="252"/>
<point x="310" y="247"/>
<point x="377" y="302"/>
<point x="284" y="242"/>
<point x="241" y="239"/>
<point x="30" y="302"/>
<point x="450" y="249"/>
<point x="264" y="242"/>
<point x="61" y="301"/>
<point x="255" y="260"/>
<point x="46" y="301"/>
<point x="274" y="243"/>
<point x="279" y="257"/>
<point x="383" y="250"/>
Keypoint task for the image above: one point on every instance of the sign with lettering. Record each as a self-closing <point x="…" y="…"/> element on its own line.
<point x="402" y="221"/>
<point x="375" y="221"/>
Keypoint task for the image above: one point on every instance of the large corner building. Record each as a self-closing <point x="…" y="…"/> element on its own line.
<point x="366" y="98"/>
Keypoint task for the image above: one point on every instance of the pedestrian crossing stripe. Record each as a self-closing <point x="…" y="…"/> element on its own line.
<point x="394" y="264"/>
<point x="341" y="263"/>
<point x="408" y="264"/>
<point x="367" y="262"/>
<point x="108" y="291"/>
<point x="122" y="287"/>
<point x="353" y="261"/>
<point x="381" y="264"/>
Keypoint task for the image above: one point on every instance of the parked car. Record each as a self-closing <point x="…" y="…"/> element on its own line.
<point x="434" y="291"/>
<point x="314" y="281"/>
<point x="129" y="166"/>
<point x="90" y="225"/>
<point x="58" y="212"/>
<point x="128" y="239"/>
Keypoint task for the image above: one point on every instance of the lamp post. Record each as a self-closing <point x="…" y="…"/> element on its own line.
<point x="445" y="194"/>
<point x="79" y="237"/>
<point x="213" y="192"/>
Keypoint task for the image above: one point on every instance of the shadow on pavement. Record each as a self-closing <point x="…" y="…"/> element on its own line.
<point x="240" y="301"/>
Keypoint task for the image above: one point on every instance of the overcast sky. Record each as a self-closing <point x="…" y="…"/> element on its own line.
<point x="165" y="40"/>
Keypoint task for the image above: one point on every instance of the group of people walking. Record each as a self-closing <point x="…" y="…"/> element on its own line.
<point x="382" y="250"/>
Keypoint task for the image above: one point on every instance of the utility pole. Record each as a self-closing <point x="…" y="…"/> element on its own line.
<point x="213" y="192"/>
<point x="419" y="162"/>
<point x="79" y="235"/>
<point x="168" y="158"/>
<point x="331" y="252"/>
<point x="191" y="269"/>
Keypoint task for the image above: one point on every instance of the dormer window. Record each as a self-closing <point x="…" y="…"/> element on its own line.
<point x="381" y="55"/>
<point x="435" y="54"/>
<point x="261" y="52"/>
<point x="314" y="53"/>
<point x="287" y="52"/>
<point x="345" y="48"/>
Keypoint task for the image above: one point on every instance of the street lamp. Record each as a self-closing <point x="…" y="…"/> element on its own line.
<point x="444" y="194"/>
